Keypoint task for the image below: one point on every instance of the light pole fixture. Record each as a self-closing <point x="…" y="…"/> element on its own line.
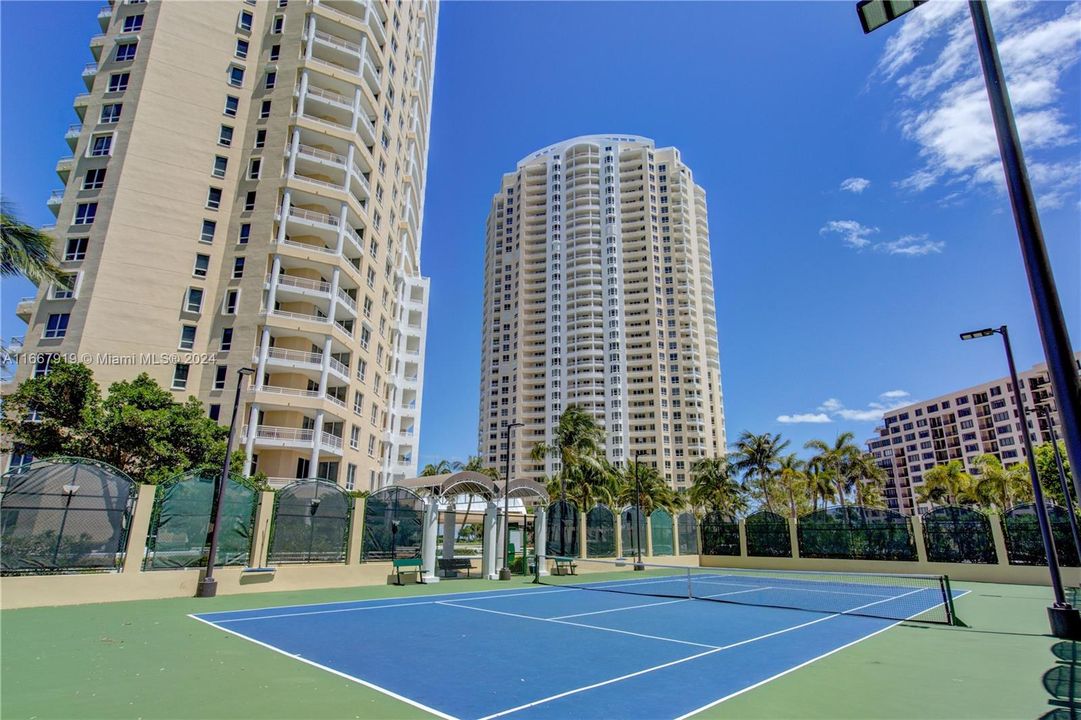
<point x="504" y="572"/>
<point x="208" y="586"/>
<point x="1054" y="334"/>
<point x="1045" y="411"/>
<point x="1065" y="619"/>
<point x="638" y="565"/>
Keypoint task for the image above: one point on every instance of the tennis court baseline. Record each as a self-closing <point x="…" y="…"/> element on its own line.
<point x="558" y="652"/>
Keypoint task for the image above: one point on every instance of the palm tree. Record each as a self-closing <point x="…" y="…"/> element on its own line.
<point x="864" y="474"/>
<point x="475" y="463"/>
<point x="836" y="459"/>
<point x="998" y="487"/>
<point x="756" y="457"/>
<point x="947" y="482"/>
<point x="24" y="250"/>
<point x="792" y="480"/>
<point x="713" y="486"/>
<point x="820" y="484"/>
<point x="441" y="468"/>
<point x="577" y="441"/>
<point x="656" y="493"/>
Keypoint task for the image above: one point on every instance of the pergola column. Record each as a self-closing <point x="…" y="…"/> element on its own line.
<point x="491" y="541"/>
<point x="427" y="551"/>
<point x="540" y="530"/>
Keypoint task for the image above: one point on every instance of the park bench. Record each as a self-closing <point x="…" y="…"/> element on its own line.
<point x="414" y="565"/>
<point x="449" y="565"/>
<point x="565" y="566"/>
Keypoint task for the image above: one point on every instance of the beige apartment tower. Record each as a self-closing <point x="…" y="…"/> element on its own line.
<point x="599" y="293"/>
<point x="246" y="190"/>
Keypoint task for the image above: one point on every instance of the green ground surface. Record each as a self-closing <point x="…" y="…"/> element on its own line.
<point x="147" y="659"/>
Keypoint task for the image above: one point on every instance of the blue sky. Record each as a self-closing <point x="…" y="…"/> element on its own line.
<point x="857" y="216"/>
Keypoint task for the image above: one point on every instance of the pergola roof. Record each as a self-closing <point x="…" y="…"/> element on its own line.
<point x="451" y="484"/>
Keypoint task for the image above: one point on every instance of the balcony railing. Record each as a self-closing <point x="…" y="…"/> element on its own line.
<point x="301" y="282"/>
<point x="309" y="151"/>
<point x="298" y="316"/>
<point x="312" y="216"/>
<point x="333" y="97"/>
<point x="295" y="392"/>
<point x="337" y="41"/>
<point x="294" y="356"/>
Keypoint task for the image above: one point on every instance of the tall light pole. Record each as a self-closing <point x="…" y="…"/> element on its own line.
<point x="504" y="572"/>
<point x="638" y="512"/>
<point x="1045" y="411"/>
<point x="1065" y="619"/>
<point x="208" y="586"/>
<point x="1054" y="336"/>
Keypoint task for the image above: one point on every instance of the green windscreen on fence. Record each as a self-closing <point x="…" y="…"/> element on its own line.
<point x="854" y="532"/>
<point x="387" y="509"/>
<point x="958" y="535"/>
<point x="633" y="531"/>
<point x="178" y="528"/>
<point x="563" y="529"/>
<point x="600" y="532"/>
<point x="687" y="526"/>
<point x="768" y="535"/>
<point x="660" y="523"/>
<point x="64" y="515"/>
<point x="720" y="534"/>
<point x="311" y="523"/>
<point x="1024" y="545"/>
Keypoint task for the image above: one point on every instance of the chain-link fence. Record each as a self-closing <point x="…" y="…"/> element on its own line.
<point x="858" y="533"/>
<point x="768" y="535"/>
<point x="311" y="523"/>
<point x="600" y="532"/>
<point x="720" y="534"/>
<point x="563" y="529"/>
<point x="687" y="526"/>
<point x="393" y="525"/>
<point x="958" y="535"/>
<point x="1024" y="544"/>
<point x="632" y="528"/>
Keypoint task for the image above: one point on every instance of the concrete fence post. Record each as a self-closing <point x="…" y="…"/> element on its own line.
<point x="648" y="529"/>
<point x="355" y="543"/>
<point x="793" y="536"/>
<point x="583" y="545"/>
<point x="540" y="541"/>
<point x="917" y="535"/>
<point x="139" y="529"/>
<point x="998" y="536"/>
<point x="742" y="524"/>
<point x="260" y="544"/>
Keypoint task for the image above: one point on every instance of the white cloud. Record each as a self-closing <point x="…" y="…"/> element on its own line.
<point x="852" y="233"/>
<point x="855" y="184"/>
<point x="911" y="246"/>
<point x="804" y="418"/>
<point x="894" y="394"/>
<point x="944" y="110"/>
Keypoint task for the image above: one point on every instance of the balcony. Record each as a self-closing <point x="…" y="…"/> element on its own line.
<point x="332" y="98"/>
<point x="104" y="16"/>
<point x="90" y="71"/>
<point x="97" y="44"/>
<point x="72" y="135"/>
<point x="25" y="309"/>
<point x="304" y="286"/>
<point x="55" y="198"/>
<point x="295" y="438"/>
<point x="80" y="104"/>
<point x="64" y="166"/>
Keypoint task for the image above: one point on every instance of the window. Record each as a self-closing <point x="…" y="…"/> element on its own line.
<point x="260" y="138"/>
<point x="206" y="234"/>
<point x="271" y="80"/>
<point x="226" y="339"/>
<point x="219" y="377"/>
<point x="231" y="299"/>
<point x="371" y="445"/>
<point x="249" y="200"/>
<point x="225" y="136"/>
<point x="245" y="234"/>
<point x="101" y="145"/>
<point x="63" y="288"/>
<point x="238" y="268"/>
<point x="241" y="48"/>
<point x="75" y="249"/>
<point x="110" y="113"/>
<point x="220" y="164"/>
<point x="133" y="23"/>
<point x="244" y="23"/>
<point x="213" y="198"/>
<point x="85" y="213"/>
<point x="236" y="76"/>
<point x="194" y="301"/>
<point x="202" y="265"/>
<point x="125" y="51"/>
<point x="350" y="475"/>
<point x="57" y="326"/>
<point x="232" y="104"/>
<point x="187" y="337"/>
<point x="214" y="412"/>
<point x="94" y="179"/>
<point x="278" y="25"/>
<point x="118" y="82"/>
<point x="180" y="376"/>
<point x="264" y="110"/>
<point x="275" y="52"/>
<point x="253" y="169"/>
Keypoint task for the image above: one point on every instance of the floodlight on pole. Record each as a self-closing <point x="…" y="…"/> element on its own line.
<point x="638" y="565"/>
<point x="208" y="586"/>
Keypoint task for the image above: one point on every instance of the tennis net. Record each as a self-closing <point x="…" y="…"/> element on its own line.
<point x="926" y="598"/>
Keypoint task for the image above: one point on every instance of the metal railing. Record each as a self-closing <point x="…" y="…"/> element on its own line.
<point x="301" y="282"/>
<point x="315" y="152"/>
<point x="312" y="216"/>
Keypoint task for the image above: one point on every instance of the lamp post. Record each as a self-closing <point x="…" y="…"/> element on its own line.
<point x="1065" y="619"/>
<point x="504" y="572"/>
<point x="1063" y="484"/>
<point x="208" y="586"/>
<point x="638" y="565"/>
<point x="1054" y="335"/>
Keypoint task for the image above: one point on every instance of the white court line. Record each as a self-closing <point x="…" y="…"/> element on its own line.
<point x="677" y="662"/>
<point x="736" y="592"/>
<point x="339" y="673"/>
<point x="807" y="662"/>
<point x="619" y="609"/>
<point x="581" y="625"/>
<point x="800" y="588"/>
<point x="381" y="607"/>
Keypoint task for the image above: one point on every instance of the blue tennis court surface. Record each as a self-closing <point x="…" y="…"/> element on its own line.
<point x="569" y="652"/>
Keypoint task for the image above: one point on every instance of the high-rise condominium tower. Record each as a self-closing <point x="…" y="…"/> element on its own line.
<point x="599" y="293"/>
<point x="247" y="190"/>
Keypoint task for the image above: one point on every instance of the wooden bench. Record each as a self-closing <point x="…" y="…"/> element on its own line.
<point x="415" y="565"/>
<point x="449" y="565"/>
<point x="565" y="566"/>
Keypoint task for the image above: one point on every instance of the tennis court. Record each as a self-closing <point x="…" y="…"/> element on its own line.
<point x="661" y="643"/>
